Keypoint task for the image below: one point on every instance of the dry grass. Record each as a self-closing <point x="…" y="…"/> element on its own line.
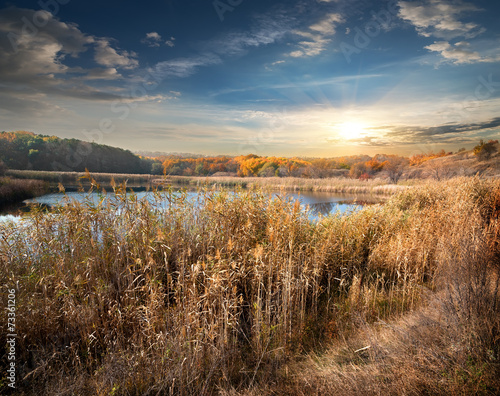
<point x="242" y="294"/>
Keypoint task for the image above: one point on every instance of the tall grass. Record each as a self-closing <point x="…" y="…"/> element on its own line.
<point x="230" y="293"/>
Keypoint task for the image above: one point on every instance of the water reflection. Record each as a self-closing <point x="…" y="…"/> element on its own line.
<point x="318" y="203"/>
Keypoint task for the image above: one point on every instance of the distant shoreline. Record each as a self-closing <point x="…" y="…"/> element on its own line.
<point x="74" y="181"/>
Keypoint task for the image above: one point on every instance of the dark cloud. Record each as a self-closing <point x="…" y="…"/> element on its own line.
<point x="34" y="54"/>
<point x="418" y="132"/>
<point x="34" y="46"/>
<point x="444" y="134"/>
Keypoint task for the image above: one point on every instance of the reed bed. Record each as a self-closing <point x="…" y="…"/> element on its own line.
<point x="341" y="185"/>
<point x="243" y="294"/>
<point x="82" y="178"/>
<point x="13" y="191"/>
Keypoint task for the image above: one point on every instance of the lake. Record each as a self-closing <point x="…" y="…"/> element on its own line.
<point x="319" y="203"/>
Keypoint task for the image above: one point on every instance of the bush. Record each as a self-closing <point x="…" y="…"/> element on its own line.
<point x="3" y="168"/>
<point x="13" y="191"/>
<point x="358" y="170"/>
<point x="157" y="168"/>
<point x="484" y="151"/>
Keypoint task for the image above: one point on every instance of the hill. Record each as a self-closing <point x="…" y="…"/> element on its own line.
<point x="29" y="151"/>
<point x="464" y="163"/>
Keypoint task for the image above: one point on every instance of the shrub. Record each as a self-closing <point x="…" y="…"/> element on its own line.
<point x="13" y="191"/>
<point x="3" y="168"/>
<point x="358" y="170"/>
<point x="484" y="151"/>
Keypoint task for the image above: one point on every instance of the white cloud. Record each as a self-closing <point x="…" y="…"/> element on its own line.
<point x="106" y="55"/>
<point x="317" y="36"/>
<point x="279" y="62"/>
<point x="440" y="18"/>
<point x="170" y="42"/>
<point x="154" y="39"/>
<point x="327" y="25"/>
<point x="266" y="31"/>
<point x="444" y="19"/>
<point x="459" y="52"/>
<point x="183" y="67"/>
<point x="153" y="36"/>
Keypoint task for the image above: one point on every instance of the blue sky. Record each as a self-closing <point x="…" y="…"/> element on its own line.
<point x="295" y="78"/>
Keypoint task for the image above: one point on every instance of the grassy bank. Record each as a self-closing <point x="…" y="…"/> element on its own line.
<point x="13" y="191"/>
<point x="246" y="296"/>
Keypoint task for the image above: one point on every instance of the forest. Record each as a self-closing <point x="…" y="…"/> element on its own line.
<point x="26" y="150"/>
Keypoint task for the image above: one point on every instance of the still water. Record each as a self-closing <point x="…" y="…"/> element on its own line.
<point x="317" y="203"/>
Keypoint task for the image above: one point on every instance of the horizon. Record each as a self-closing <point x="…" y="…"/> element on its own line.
<point x="186" y="155"/>
<point x="324" y="78"/>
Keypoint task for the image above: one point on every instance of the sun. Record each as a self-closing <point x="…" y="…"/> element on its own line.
<point x="350" y="130"/>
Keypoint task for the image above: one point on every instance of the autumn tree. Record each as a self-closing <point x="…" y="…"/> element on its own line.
<point x="395" y="167"/>
<point x="268" y="170"/>
<point x="157" y="168"/>
<point x="359" y="171"/>
<point x="484" y="151"/>
<point x="441" y="171"/>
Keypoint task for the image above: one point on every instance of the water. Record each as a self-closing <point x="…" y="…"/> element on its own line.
<point x="319" y="203"/>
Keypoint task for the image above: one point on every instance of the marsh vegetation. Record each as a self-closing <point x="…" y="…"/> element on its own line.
<point x="244" y="295"/>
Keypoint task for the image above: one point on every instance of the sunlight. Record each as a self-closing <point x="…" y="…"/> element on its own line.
<point x="350" y="130"/>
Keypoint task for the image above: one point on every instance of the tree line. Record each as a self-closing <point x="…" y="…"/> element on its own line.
<point x="26" y="150"/>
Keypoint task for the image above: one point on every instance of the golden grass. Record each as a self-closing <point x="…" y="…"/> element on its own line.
<point x="242" y="294"/>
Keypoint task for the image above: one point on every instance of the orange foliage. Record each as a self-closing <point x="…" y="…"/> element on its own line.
<point x="418" y="159"/>
<point x="254" y="165"/>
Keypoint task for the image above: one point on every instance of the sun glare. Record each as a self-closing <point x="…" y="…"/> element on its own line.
<point x="350" y="130"/>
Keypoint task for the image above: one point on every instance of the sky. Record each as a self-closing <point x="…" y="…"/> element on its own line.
<point x="309" y="78"/>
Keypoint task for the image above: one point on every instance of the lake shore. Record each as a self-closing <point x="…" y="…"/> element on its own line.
<point x="75" y="180"/>
<point x="37" y="183"/>
<point x="339" y="185"/>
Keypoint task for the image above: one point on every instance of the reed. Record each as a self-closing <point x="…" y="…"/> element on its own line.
<point x="13" y="191"/>
<point x="82" y="178"/>
<point x="339" y="185"/>
<point x="239" y="293"/>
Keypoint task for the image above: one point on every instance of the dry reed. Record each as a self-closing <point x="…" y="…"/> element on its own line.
<point x="228" y="294"/>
